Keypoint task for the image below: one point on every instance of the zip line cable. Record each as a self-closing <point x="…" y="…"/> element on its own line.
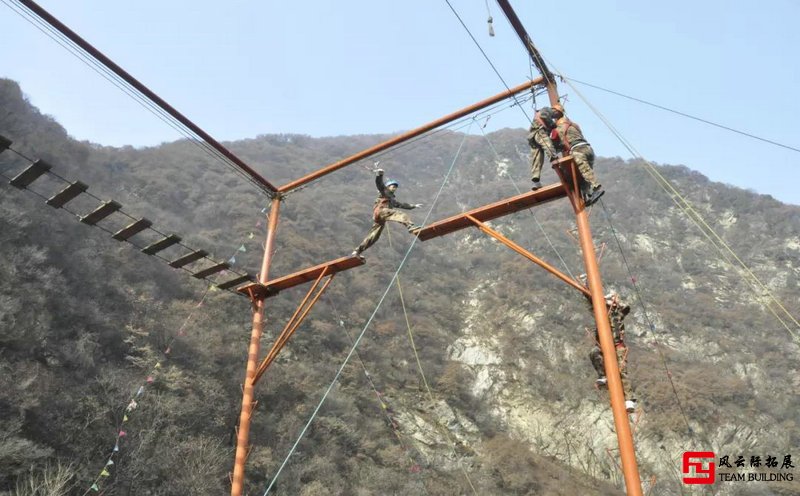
<point x="725" y="250"/>
<point x="126" y="88"/>
<point x="364" y="330"/>
<point x="684" y="114"/>
<point x="485" y="56"/>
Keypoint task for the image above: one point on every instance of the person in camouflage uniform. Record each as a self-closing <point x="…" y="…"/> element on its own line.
<point x="568" y="138"/>
<point x="386" y="210"/>
<point x="617" y="310"/>
<point x="539" y="140"/>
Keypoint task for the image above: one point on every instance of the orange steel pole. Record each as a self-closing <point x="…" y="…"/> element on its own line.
<point x="536" y="57"/>
<point x="630" y="469"/>
<point x="409" y="135"/>
<point x="243" y="436"/>
<point x="530" y="256"/>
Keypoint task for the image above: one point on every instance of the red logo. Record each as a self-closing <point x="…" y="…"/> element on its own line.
<point x="701" y="475"/>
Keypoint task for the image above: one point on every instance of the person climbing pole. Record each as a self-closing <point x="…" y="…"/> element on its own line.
<point x="617" y="310"/>
<point x="544" y="121"/>
<point x="386" y="210"/>
<point x="568" y="138"/>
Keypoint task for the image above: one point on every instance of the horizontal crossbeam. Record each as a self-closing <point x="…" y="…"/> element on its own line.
<point x="275" y="286"/>
<point x="492" y="211"/>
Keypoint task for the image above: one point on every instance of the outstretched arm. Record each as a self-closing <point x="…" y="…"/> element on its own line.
<point x="379" y="180"/>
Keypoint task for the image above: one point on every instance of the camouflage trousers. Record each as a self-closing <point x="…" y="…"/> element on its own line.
<point x="540" y="146"/>
<point x="381" y="217"/>
<point x="584" y="160"/>
<point x="596" y="356"/>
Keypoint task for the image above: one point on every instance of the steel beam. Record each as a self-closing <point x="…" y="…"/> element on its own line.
<point x="630" y="470"/>
<point x="530" y="256"/>
<point x="409" y="135"/>
<point x="492" y="211"/>
<point x="536" y="57"/>
<point x="119" y="71"/>
<point x="243" y="433"/>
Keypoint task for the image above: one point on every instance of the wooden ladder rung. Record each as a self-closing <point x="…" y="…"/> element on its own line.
<point x="235" y="282"/>
<point x="29" y="175"/>
<point x="101" y="212"/>
<point x="161" y="244"/>
<point x="187" y="259"/>
<point x="67" y="194"/>
<point x="211" y="270"/>
<point x="131" y="230"/>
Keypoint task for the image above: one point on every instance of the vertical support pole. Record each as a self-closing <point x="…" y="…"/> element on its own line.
<point x="243" y="434"/>
<point x="630" y="469"/>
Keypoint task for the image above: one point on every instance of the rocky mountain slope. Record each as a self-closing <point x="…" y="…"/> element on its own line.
<point x="84" y="320"/>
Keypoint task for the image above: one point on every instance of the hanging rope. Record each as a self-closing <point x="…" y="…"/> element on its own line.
<point x="684" y="205"/>
<point x="384" y="407"/>
<point x="366" y="326"/>
<point x="650" y="324"/>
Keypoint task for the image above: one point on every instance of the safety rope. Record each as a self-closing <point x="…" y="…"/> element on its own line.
<point x="684" y="205"/>
<point x="650" y="324"/>
<point x="688" y="116"/>
<point x="428" y="389"/>
<point x="366" y="326"/>
<point x="384" y="406"/>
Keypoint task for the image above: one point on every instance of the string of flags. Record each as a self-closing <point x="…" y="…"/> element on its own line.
<point x="150" y="379"/>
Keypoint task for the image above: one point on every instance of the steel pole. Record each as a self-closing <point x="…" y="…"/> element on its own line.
<point x="630" y="470"/>
<point x="243" y="435"/>
<point x="536" y="57"/>
<point x="409" y="135"/>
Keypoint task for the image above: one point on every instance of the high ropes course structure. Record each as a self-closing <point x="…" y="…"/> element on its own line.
<point x="259" y="288"/>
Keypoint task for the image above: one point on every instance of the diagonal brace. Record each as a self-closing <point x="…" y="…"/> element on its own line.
<point x="530" y="256"/>
<point x="294" y="322"/>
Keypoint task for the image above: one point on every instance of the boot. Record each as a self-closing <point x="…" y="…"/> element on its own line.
<point x="630" y="406"/>
<point x="594" y="194"/>
<point x="536" y="184"/>
<point x="414" y="229"/>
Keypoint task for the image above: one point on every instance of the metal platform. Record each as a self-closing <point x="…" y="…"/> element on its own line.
<point x="275" y="286"/>
<point x="493" y="211"/>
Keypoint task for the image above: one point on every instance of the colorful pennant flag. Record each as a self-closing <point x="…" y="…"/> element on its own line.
<point x="139" y="391"/>
<point x="232" y="260"/>
<point x="150" y="379"/>
<point x="264" y="210"/>
<point x="95" y="488"/>
<point x="109" y="463"/>
<point x="168" y="350"/>
<point x="251" y="236"/>
<point x="105" y="473"/>
<point x="124" y="418"/>
<point x="122" y="433"/>
<point x="116" y="446"/>
<point x="242" y="249"/>
<point x="158" y="365"/>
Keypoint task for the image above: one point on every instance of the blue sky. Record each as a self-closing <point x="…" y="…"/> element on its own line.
<point x="362" y="67"/>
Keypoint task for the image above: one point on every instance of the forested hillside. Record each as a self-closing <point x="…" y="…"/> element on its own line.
<point x="88" y="324"/>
